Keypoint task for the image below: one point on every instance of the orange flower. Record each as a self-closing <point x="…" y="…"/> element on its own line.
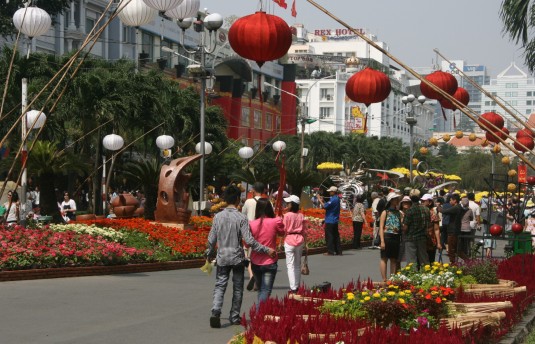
<point x="428" y="296"/>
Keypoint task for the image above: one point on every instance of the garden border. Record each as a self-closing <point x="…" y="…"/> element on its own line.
<point x="33" y="274"/>
<point x="522" y="329"/>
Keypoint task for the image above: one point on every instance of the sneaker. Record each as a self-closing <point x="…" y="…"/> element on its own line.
<point x="236" y="322"/>
<point x="215" y="322"/>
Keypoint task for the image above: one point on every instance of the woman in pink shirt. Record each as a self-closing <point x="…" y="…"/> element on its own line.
<point x="295" y="226"/>
<point x="265" y="229"/>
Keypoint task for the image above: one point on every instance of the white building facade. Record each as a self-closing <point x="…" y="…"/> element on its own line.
<point x="516" y="90"/>
<point x="324" y="99"/>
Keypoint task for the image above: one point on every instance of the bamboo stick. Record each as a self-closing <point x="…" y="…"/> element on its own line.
<point x="488" y="126"/>
<point x="301" y="298"/>
<point x="480" y="307"/>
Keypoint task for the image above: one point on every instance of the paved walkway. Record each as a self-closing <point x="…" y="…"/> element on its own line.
<point x="158" y="307"/>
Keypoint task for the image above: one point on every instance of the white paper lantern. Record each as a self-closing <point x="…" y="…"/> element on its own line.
<point x="246" y="152"/>
<point x="113" y="142"/>
<point x="165" y="141"/>
<point x="135" y="13"/>
<point x="213" y="22"/>
<point x="207" y="148"/>
<point x="188" y="8"/>
<point x="32" y="21"/>
<point x="163" y="5"/>
<point x="37" y="117"/>
<point x="279" y="146"/>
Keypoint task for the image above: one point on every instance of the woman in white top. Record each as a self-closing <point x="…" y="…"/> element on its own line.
<point x="68" y="207"/>
<point x="12" y="207"/>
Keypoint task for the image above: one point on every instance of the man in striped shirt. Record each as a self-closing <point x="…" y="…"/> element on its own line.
<point x="229" y="227"/>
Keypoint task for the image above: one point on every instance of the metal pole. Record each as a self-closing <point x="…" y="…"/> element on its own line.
<point x="24" y="178"/>
<point x="411" y="128"/>
<point x="104" y="189"/>
<point x="203" y="91"/>
<point x="303" y="122"/>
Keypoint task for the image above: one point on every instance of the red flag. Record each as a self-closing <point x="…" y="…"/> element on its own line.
<point x="294" y="10"/>
<point x="281" y="3"/>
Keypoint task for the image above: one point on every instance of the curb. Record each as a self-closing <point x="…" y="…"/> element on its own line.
<point x="522" y="329"/>
<point x="33" y="274"/>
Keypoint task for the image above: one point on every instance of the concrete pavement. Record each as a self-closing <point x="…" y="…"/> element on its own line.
<point x="157" y="307"/>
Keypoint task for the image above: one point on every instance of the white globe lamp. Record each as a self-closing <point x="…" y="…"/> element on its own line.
<point x="279" y="146"/>
<point x="207" y="148"/>
<point x="188" y="8"/>
<point x="246" y="152"/>
<point x="113" y="142"/>
<point x="135" y="13"/>
<point x="165" y="141"/>
<point x="32" y="21"/>
<point x="35" y="119"/>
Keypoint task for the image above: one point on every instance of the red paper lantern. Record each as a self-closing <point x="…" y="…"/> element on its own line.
<point x="491" y="118"/>
<point x="501" y="133"/>
<point x="531" y="180"/>
<point x="444" y="81"/>
<point x="260" y="37"/>
<point x="526" y="141"/>
<point x="368" y="86"/>
<point x="524" y="133"/>
<point x="517" y="228"/>
<point x="461" y="95"/>
<point x="496" y="230"/>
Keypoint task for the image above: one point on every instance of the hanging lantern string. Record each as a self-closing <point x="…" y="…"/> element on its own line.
<point x="65" y="70"/>
<point x="118" y="152"/>
<point x="4" y="95"/>
<point x="490" y="127"/>
<point x="488" y="94"/>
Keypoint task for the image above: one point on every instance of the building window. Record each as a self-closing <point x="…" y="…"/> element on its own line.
<point x="258" y="119"/>
<point x="528" y="111"/>
<point x="325" y="112"/>
<point x="511" y="85"/>
<point x="529" y="94"/>
<point x="514" y="102"/>
<point x="269" y="121"/>
<point x="147" y="44"/>
<point x="245" y="113"/>
<point x="278" y="124"/>
<point x="487" y="103"/>
<point x="89" y="23"/>
<point x="528" y="102"/>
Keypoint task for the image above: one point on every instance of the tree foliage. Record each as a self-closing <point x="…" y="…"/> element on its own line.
<point x="518" y="22"/>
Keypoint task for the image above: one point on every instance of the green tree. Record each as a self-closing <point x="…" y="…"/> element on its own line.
<point x="49" y="163"/>
<point x="145" y="175"/>
<point x="517" y="17"/>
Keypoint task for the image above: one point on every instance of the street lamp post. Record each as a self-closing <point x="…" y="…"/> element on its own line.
<point x="212" y="23"/>
<point x="411" y="121"/>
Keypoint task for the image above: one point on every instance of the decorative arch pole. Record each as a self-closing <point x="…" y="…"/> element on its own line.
<point x="492" y="129"/>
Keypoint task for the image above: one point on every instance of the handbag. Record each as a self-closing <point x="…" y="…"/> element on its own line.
<point x="304" y="264"/>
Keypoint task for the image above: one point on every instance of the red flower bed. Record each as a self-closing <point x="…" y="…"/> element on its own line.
<point x="184" y="243"/>
<point x="22" y="248"/>
<point x="288" y="324"/>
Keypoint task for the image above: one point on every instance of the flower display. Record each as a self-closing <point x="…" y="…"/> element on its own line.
<point x="330" y="166"/>
<point x="105" y="232"/>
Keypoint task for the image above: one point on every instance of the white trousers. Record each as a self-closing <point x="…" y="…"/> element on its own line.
<point x="293" y="264"/>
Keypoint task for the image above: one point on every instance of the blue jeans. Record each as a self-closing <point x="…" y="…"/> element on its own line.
<point x="265" y="277"/>
<point x="221" y="282"/>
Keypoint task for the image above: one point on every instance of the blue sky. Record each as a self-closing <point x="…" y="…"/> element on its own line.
<point x="461" y="29"/>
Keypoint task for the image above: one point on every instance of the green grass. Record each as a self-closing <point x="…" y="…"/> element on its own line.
<point x="530" y="339"/>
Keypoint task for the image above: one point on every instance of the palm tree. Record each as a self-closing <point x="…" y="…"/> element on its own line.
<point x="517" y="18"/>
<point x="49" y="163"/>
<point x="145" y="174"/>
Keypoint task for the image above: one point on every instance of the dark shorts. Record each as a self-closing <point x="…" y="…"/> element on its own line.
<point x="392" y="245"/>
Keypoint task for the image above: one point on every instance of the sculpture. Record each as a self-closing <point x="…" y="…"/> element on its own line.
<point x="173" y="200"/>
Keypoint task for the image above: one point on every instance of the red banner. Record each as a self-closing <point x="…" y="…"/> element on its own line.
<point x="294" y="10"/>
<point x="281" y="3"/>
<point x="522" y="173"/>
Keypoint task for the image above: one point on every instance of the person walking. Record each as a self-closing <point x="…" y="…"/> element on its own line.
<point x="433" y="231"/>
<point x="415" y="224"/>
<point x="265" y="229"/>
<point x="249" y="209"/>
<point x="229" y="227"/>
<point x="332" y="217"/>
<point x="295" y="226"/>
<point x="389" y="232"/>
<point x="454" y="225"/>
<point x="358" y="217"/>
